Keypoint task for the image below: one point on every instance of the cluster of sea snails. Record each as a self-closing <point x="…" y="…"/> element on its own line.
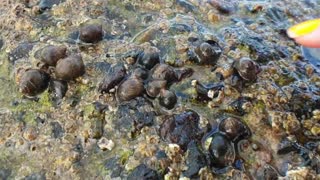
<point x="57" y="68"/>
<point x="219" y="145"/>
<point x="35" y="81"/>
<point x="243" y="71"/>
<point x="146" y="76"/>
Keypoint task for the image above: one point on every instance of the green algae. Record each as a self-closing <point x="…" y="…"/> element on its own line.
<point x="124" y="156"/>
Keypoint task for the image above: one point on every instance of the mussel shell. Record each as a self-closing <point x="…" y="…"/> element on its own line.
<point x="114" y="76"/>
<point x="247" y="69"/>
<point x="165" y="72"/>
<point x="70" y="68"/>
<point x="167" y="99"/>
<point x="221" y="150"/>
<point x="234" y="129"/>
<point x="148" y="59"/>
<point x="51" y="54"/>
<point x="130" y="89"/>
<point x="154" y="87"/>
<point x="58" y="89"/>
<point x="33" y="82"/>
<point x="91" y="33"/>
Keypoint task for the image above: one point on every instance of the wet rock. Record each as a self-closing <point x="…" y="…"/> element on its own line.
<point x="189" y="7"/>
<point x="270" y="173"/>
<point x="259" y="49"/>
<point x="143" y="119"/>
<point x="5" y="173"/>
<point x="105" y="144"/>
<point x="176" y="28"/>
<point x="221" y="150"/>
<point x="33" y="82"/>
<point x="208" y="53"/>
<point x="1" y="43"/>
<point x="57" y="130"/>
<point x="96" y="127"/>
<point x="70" y="68"/>
<point x="285" y="147"/>
<point x="276" y="16"/>
<point x="36" y="176"/>
<point x="181" y="129"/>
<point x="234" y="129"/>
<point x="224" y="7"/>
<point x="167" y="99"/>
<point x="51" y="54"/>
<point x="100" y="67"/>
<point x="113" y="165"/>
<point x="195" y="160"/>
<point x="148" y="59"/>
<point x="91" y="33"/>
<point x="21" y="51"/>
<point x="130" y="89"/>
<point x="113" y="77"/>
<point x="47" y="4"/>
<point x="144" y="173"/>
<point x="58" y="90"/>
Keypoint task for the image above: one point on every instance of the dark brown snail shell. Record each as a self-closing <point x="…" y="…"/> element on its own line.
<point x="234" y="129"/>
<point x="167" y="99"/>
<point x="50" y="55"/>
<point x="221" y="151"/>
<point x="70" y="68"/>
<point x="208" y="52"/>
<point x="148" y="59"/>
<point x="91" y="33"/>
<point x="33" y="82"/>
<point x="130" y="89"/>
<point x="247" y="69"/>
<point x="141" y="72"/>
<point x="154" y="87"/>
<point x="165" y="72"/>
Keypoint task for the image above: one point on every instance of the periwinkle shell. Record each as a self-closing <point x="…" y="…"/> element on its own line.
<point x="51" y="54"/>
<point x="247" y="69"/>
<point x="154" y="87"/>
<point x="33" y="82"/>
<point x="148" y="59"/>
<point x="167" y="99"/>
<point x="221" y="150"/>
<point x="165" y="72"/>
<point x="70" y="68"/>
<point x="130" y="89"/>
<point x="234" y="129"/>
<point x="91" y="33"/>
<point x="208" y="52"/>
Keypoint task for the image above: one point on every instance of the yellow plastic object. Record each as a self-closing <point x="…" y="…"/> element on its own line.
<point x="303" y="28"/>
